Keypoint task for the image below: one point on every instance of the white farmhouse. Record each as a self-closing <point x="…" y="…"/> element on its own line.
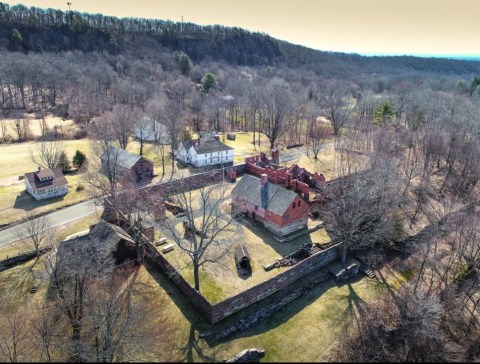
<point x="150" y="130"/>
<point x="46" y="183"/>
<point x="205" y="151"/>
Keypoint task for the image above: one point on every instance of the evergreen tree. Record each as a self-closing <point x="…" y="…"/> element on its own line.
<point x="209" y="81"/>
<point x="78" y="159"/>
<point x="63" y="162"/>
<point x="384" y="113"/>
<point x="183" y="62"/>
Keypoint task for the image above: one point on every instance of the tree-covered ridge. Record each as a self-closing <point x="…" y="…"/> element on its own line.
<point x="44" y="30"/>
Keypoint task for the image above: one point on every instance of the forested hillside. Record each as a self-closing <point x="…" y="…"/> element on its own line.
<point x="38" y="30"/>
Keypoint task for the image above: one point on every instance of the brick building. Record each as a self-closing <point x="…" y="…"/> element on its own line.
<point x="127" y="162"/>
<point x="280" y="210"/>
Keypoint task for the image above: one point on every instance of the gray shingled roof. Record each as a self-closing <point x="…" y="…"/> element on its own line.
<point x="123" y="158"/>
<point x="272" y="197"/>
<point x="211" y="146"/>
<point x="57" y="180"/>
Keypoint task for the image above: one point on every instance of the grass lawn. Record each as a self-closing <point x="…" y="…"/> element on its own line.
<point x="16" y="161"/>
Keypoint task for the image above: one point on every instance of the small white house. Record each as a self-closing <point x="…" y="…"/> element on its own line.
<point x="150" y="130"/>
<point x="46" y="183"/>
<point x="204" y="152"/>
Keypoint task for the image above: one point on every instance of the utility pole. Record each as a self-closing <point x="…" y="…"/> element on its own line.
<point x="68" y="3"/>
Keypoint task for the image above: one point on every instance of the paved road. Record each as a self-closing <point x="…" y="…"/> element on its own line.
<point x="57" y="218"/>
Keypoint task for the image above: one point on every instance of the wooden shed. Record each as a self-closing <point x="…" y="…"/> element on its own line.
<point x="242" y="258"/>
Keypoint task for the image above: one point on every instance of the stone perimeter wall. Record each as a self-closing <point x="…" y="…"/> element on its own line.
<point x="256" y="293"/>
<point x="217" y="312"/>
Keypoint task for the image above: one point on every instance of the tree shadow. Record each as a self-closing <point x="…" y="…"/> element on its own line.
<point x="288" y="311"/>
<point x="193" y="346"/>
<point x="187" y="309"/>
<point x="355" y="304"/>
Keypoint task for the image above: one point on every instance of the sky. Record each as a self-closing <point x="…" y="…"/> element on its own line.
<point x="370" y="27"/>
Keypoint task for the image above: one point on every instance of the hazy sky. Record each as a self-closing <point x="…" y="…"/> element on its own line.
<point x="422" y="27"/>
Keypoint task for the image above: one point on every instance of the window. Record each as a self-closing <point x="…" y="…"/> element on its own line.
<point x="287" y="217"/>
<point x="256" y="207"/>
<point x="299" y="203"/>
<point x="293" y="204"/>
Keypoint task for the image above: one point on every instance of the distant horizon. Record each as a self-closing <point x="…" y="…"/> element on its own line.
<point x="426" y="28"/>
<point x="466" y="57"/>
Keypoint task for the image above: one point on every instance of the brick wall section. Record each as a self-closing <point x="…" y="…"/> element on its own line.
<point x="194" y="181"/>
<point x="233" y="304"/>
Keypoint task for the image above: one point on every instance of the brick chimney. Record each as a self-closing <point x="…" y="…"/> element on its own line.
<point x="263" y="179"/>
<point x="275" y="156"/>
<point x="217" y="137"/>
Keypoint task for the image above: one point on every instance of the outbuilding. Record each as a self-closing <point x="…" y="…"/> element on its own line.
<point x="242" y="258"/>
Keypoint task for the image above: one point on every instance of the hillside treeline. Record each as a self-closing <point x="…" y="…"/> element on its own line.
<point x="50" y="30"/>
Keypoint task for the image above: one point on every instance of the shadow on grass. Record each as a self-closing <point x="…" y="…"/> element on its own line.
<point x="193" y="345"/>
<point x="293" y="308"/>
<point x="177" y="297"/>
<point x="268" y="237"/>
<point x="25" y="201"/>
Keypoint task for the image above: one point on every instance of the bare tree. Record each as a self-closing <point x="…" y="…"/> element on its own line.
<point x="47" y="153"/>
<point x="336" y="105"/>
<point x="209" y="230"/>
<point x="46" y="325"/>
<point x="160" y="151"/>
<point x="121" y="121"/>
<point x="143" y="131"/>
<point x="72" y="271"/>
<point x="318" y="135"/>
<point x="36" y="233"/>
<point x="277" y="111"/>
<point x="4" y="136"/>
<point x="361" y="205"/>
<point x="13" y="335"/>
<point x="116" y="319"/>
<point x="172" y="117"/>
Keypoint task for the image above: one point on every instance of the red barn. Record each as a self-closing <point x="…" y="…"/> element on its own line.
<point x="280" y="210"/>
<point x="138" y="165"/>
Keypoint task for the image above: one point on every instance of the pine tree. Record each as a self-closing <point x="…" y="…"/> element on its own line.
<point x="78" y="159"/>
<point x="63" y="162"/>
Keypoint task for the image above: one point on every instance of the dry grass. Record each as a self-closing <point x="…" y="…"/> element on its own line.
<point x="68" y="127"/>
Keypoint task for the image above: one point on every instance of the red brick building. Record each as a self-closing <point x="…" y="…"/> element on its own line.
<point x="280" y="210"/>
<point x="126" y="162"/>
<point x="260" y="164"/>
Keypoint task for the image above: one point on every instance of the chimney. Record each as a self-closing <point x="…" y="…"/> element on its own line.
<point x="39" y="168"/>
<point x="263" y="179"/>
<point x="217" y="137"/>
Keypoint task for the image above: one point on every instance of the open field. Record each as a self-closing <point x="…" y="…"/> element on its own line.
<point x="65" y="127"/>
